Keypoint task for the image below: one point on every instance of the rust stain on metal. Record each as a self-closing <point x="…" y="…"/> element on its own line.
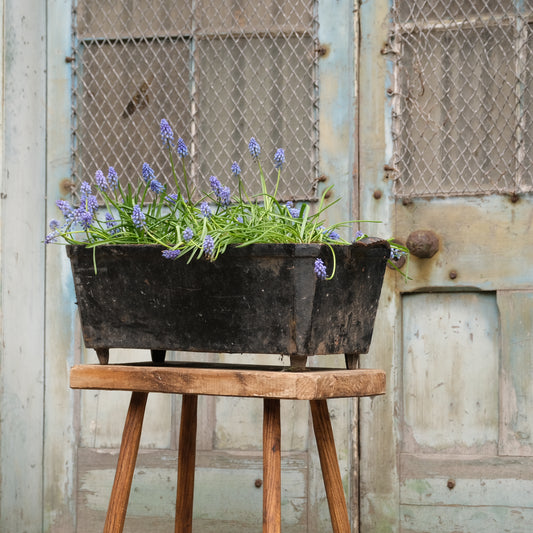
<point x="66" y="187"/>
<point x="322" y="50"/>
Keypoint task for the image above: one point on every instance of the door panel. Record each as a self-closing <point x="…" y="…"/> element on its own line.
<point x="450" y="445"/>
<point x="450" y="373"/>
<point x="516" y="385"/>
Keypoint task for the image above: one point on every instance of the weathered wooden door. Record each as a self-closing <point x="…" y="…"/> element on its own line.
<point x="102" y="83"/>
<point x="445" y="146"/>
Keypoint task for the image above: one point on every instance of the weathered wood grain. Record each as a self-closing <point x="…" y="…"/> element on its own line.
<point x="330" y="467"/>
<point x="127" y="458"/>
<point x="229" y="381"/>
<point x="227" y="499"/>
<point x="271" y="466"/>
<point x="450" y="373"/>
<point x="23" y="66"/>
<point x="516" y="383"/>
<point x="186" y="464"/>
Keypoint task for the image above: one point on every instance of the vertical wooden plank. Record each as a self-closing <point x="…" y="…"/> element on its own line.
<point x="337" y="110"/>
<point x="186" y="463"/>
<point x="22" y="265"/>
<point x="62" y="341"/>
<point x="379" y="438"/>
<point x="516" y="381"/>
<point x="271" y="466"/>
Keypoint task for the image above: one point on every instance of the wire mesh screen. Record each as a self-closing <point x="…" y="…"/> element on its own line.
<point x="219" y="72"/>
<point x="462" y="96"/>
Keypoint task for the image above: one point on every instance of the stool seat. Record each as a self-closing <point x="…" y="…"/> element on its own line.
<point x="250" y="381"/>
<point x="272" y="383"/>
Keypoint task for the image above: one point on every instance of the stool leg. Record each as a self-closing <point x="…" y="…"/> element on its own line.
<point x="330" y="467"/>
<point x="271" y="466"/>
<point x="131" y="436"/>
<point x="186" y="463"/>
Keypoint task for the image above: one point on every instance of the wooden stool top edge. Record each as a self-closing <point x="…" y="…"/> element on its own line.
<point x="230" y="380"/>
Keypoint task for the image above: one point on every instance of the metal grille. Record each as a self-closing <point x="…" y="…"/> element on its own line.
<point x="462" y="96"/>
<point x="219" y="72"/>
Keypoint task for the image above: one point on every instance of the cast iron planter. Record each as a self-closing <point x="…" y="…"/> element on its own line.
<point x="263" y="298"/>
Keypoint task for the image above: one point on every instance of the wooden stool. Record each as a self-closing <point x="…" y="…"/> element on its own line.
<point x="271" y="383"/>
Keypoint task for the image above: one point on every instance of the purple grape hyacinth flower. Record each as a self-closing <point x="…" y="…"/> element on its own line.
<point x="167" y="135"/>
<point x="85" y="218"/>
<point x="188" y="234"/>
<point x="279" y="158"/>
<point x="101" y="180"/>
<point x="85" y="190"/>
<point x="294" y="212"/>
<point x="64" y="207"/>
<point x="225" y="196"/>
<point x="320" y="269"/>
<point x="222" y="193"/>
<point x="51" y="237"/>
<point x="396" y="253"/>
<point x="111" y="224"/>
<point x="170" y="254"/>
<point x="254" y="148"/>
<point x="156" y="186"/>
<point x="209" y="245"/>
<point x="112" y="178"/>
<point x="205" y="209"/>
<point x="138" y="217"/>
<point x="182" y="148"/>
<point x="215" y="184"/>
<point x="235" y="168"/>
<point x="92" y="203"/>
<point x="148" y="173"/>
<point x="171" y="198"/>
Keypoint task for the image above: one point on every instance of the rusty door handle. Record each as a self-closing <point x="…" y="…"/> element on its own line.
<point x="423" y="243"/>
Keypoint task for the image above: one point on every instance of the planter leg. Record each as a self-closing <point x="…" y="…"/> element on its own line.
<point x="186" y="463"/>
<point x="131" y="436"/>
<point x="271" y="466"/>
<point x="352" y="360"/>
<point x="330" y="467"/>
<point x="298" y="362"/>
<point x="103" y="355"/>
<point x="158" y="356"/>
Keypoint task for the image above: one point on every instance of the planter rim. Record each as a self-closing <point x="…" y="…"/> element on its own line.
<point x="256" y="249"/>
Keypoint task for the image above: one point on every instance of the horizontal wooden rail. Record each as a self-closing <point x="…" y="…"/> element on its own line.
<point x="228" y="380"/>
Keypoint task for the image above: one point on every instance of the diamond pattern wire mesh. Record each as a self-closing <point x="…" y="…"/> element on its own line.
<point x="462" y="97"/>
<point x="219" y="72"/>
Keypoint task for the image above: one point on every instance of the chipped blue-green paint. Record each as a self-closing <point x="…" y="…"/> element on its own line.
<point x="337" y="105"/>
<point x="22" y="259"/>
<point x="379" y="440"/>
<point x="464" y="519"/>
<point x="485" y="243"/>
<point x="450" y="370"/>
<point x="225" y="492"/>
<point x="61" y="340"/>
<point x="516" y="398"/>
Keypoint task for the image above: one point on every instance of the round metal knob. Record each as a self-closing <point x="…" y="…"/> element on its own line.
<point x="423" y="243"/>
